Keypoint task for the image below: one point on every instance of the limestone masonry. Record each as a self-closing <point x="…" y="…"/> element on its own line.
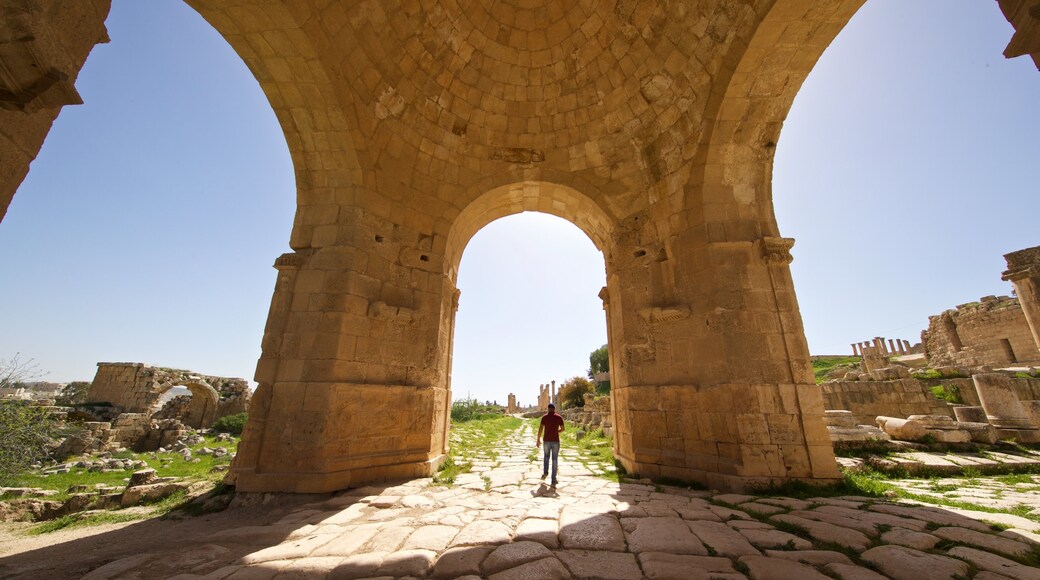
<point x="992" y="332"/>
<point x="137" y="388"/>
<point x="412" y="124"/>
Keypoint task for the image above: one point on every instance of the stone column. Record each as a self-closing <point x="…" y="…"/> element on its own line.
<point x="1024" y="274"/>
<point x="1004" y="409"/>
<point x="854" y="351"/>
<point x="891" y="346"/>
<point x="711" y="378"/>
<point x="358" y="327"/>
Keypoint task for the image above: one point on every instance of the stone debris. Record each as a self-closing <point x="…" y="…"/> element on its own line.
<point x="590" y="528"/>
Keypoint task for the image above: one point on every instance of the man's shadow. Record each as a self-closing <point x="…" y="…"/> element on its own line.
<point x="544" y="490"/>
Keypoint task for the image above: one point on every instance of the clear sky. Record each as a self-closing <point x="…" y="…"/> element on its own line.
<point x="148" y="224"/>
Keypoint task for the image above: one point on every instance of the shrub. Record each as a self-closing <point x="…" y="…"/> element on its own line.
<point x="27" y="433"/>
<point x="471" y="409"/>
<point x="232" y="424"/>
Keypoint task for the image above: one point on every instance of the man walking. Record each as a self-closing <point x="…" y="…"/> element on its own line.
<point x="552" y="425"/>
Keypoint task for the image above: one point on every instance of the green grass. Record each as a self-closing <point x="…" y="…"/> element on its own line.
<point x="474" y="438"/>
<point x="823" y="365"/>
<point x="165" y="464"/>
<point x="84" y="519"/>
<point x="948" y="393"/>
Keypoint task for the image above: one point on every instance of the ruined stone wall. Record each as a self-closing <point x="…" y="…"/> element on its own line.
<point x="869" y="399"/>
<point x="990" y="332"/>
<point x="138" y="388"/>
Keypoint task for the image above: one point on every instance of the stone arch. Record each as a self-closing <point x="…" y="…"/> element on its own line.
<point x="734" y="193"/>
<point x="552" y="198"/>
<point x="201" y="411"/>
<point x="412" y="124"/>
<point x="269" y="39"/>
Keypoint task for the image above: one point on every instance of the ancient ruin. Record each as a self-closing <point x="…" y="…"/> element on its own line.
<point x="412" y="125"/>
<point x="992" y="331"/>
<point x="138" y="388"/>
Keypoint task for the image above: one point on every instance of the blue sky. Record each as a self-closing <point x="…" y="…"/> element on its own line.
<point x="148" y="224"/>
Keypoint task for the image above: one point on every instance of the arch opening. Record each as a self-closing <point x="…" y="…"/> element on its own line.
<point x="546" y="197"/>
<point x="529" y="309"/>
<point x="194" y="403"/>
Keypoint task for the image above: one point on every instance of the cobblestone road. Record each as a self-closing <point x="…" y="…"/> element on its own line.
<point x="503" y="522"/>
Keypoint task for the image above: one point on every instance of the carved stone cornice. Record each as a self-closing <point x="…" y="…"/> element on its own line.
<point x="777" y="251"/>
<point x="291" y="260"/>
<point x="1022" y="264"/>
<point x="659" y="314"/>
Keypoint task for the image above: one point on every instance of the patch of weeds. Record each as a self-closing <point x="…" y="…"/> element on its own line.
<point x="852" y="553"/>
<point x="997" y="526"/>
<point x="793" y="529"/>
<point x="932" y="526"/>
<point x="1031" y="558"/>
<point x="937" y="487"/>
<point x="972" y="473"/>
<point x="711" y="551"/>
<point x="882" y="528"/>
<point x="83" y="519"/>
<point x="864" y="450"/>
<point x="670" y="481"/>
<point x="788" y="547"/>
<point x="926" y="374"/>
<point x="742" y="568"/>
<point x="487" y="482"/>
<point x="1015" y="479"/>
<point x="449" y="469"/>
<point x="948" y="393"/>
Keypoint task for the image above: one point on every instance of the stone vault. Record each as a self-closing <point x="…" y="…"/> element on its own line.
<point x="414" y="123"/>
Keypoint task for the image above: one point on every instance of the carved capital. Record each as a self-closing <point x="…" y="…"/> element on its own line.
<point x="777" y="251"/>
<point x="455" y="295"/>
<point x="1022" y="264"/>
<point x="604" y="296"/>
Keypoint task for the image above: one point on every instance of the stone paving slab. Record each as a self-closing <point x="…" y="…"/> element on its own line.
<point x="589" y="527"/>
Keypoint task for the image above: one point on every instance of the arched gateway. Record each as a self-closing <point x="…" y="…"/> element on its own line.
<point x="414" y="123"/>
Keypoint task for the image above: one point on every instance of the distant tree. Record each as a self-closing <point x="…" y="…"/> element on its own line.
<point x="15" y="372"/>
<point x="74" y="393"/>
<point x="599" y="362"/>
<point x="572" y="392"/>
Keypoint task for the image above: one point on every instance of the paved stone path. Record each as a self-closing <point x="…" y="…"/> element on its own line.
<point x="502" y="522"/>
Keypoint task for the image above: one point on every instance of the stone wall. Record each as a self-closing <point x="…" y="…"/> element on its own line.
<point x="990" y="332"/>
<point x="867" y="400"/>
<point x="138" y="388"/>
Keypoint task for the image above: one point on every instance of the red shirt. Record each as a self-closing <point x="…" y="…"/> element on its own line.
<point x="551" y="422"/>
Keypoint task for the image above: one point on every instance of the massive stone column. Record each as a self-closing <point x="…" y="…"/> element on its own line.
<point x="43" y="45"/>
<point x="711" y="379"/>
<point x="1024" y="273"/>
<point x="353" y="376"/>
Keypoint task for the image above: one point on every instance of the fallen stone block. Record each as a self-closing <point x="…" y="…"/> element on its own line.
<point x="150" y="493"/>
<point x="903" y="429"/>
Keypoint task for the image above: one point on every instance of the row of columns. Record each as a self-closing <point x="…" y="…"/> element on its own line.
<point x="895" y="346"/>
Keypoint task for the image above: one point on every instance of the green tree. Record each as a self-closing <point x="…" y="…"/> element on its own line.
<point x="572" y="392"/>
<point x="74" y="393"/>
<point x="599" y="362"/>
<point x="27" y="435"/>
